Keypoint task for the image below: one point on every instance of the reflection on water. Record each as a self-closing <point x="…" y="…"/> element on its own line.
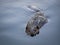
<point x="14" y="17"/>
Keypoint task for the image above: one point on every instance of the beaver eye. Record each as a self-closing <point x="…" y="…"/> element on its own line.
<point x="37" y="27"/>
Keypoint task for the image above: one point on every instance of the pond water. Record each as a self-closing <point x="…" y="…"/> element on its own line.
<point x="14" y="16"/>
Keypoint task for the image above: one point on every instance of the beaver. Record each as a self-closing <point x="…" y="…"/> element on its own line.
<point x="35" y="23"/>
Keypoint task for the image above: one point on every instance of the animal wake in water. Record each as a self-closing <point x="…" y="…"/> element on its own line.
<point x="35" y="23"/>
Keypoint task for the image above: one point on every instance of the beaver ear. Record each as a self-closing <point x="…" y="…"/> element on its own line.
<point x="26" y="27"/>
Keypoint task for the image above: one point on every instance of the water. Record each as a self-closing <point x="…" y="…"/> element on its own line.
<point x="13" y="19"/>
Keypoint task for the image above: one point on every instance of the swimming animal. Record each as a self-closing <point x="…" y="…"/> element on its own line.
<point x="35" y="23"/>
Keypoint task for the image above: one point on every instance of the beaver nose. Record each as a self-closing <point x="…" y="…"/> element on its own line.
<point x="32" y="35"/>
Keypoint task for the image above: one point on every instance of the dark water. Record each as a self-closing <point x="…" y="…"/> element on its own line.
<point x="14" y="16"/>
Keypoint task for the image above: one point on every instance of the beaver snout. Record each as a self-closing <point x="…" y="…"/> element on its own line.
<point x="32" y="35"/>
